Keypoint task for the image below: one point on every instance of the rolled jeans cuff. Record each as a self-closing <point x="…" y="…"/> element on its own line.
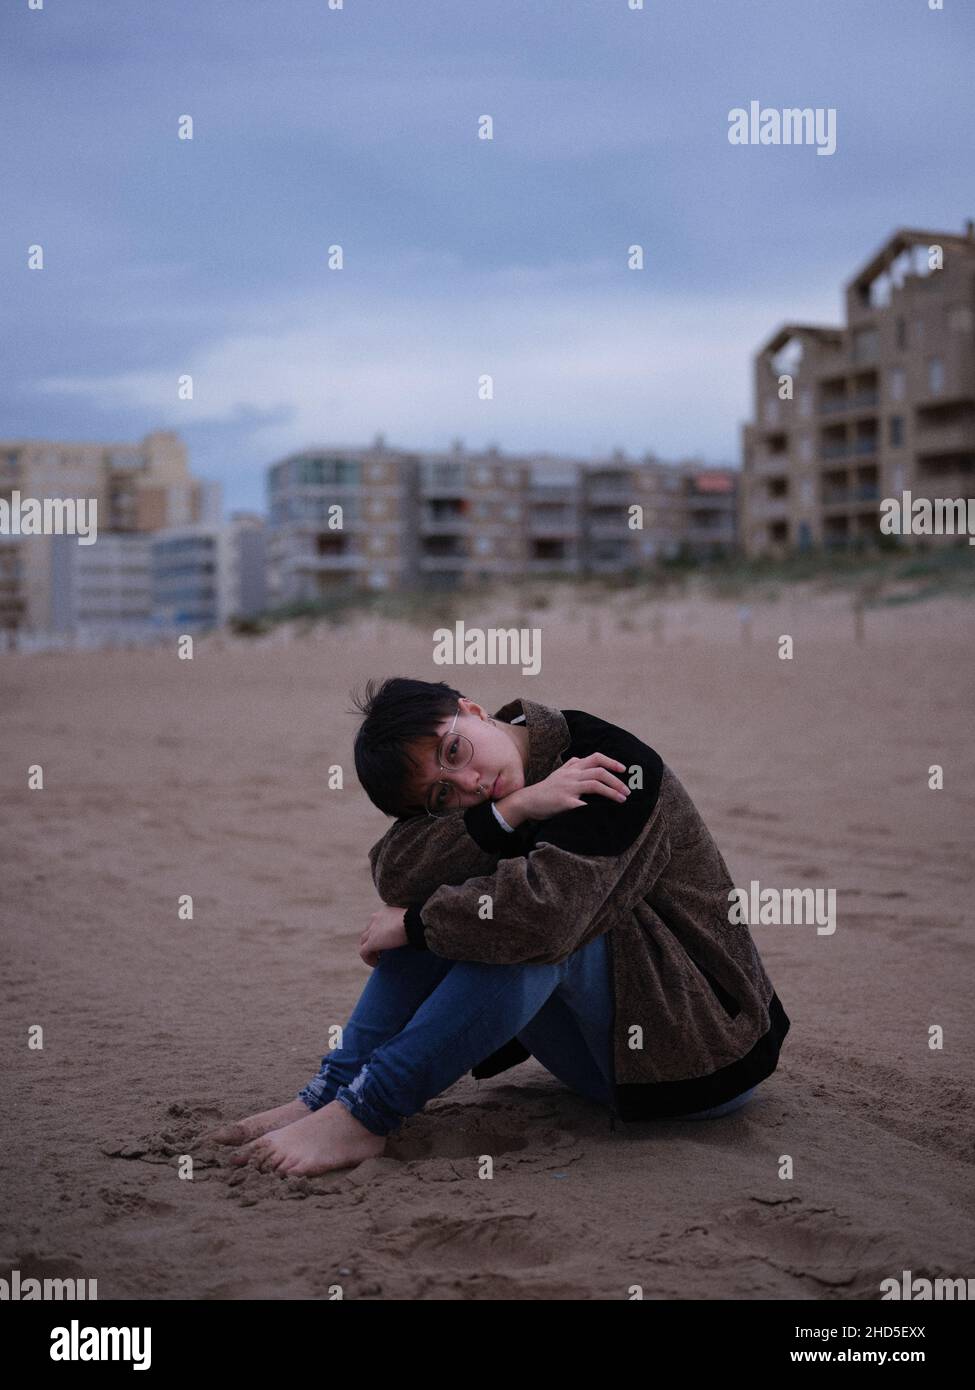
<point x="316" y="1093"/>
<point x="382" y="1122"/>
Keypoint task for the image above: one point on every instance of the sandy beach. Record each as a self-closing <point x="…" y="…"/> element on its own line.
<point x="210" y="778"/>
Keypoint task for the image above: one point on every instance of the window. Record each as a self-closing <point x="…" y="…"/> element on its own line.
<point x="896" y="431"/>
<point x="918" y="332"/>
<point x="865" y="345"/>
<point x="896" y="382"/>
<point x="484" y="545"/>
<point x="805" y="400"/>
<point x="936" y="375"/>
<point x="901" y="334"/>
<point x="806" y="490"/>
<point x="806" y="448"/>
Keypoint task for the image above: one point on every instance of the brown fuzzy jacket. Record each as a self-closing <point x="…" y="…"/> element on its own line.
<point x="696" y="1018"/>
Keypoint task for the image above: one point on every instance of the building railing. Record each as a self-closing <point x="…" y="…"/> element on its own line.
<point x="866" y="492"/>
<point x="445" y="525"/>
<point x="604" y="495"/>
<point x="860" y="400"/>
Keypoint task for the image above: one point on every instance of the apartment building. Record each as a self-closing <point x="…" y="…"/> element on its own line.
<point x="381" y="518"/>
<point x="340" y="518"/>
<point x="132" y="586"/>
<point x="101" y="592"/>
<point x="470" y="517"/>
<point x="880" y="405"/>
<point x="202" y="575"/>
<point x="138" y="488"/>
<point x="708" y="511"/>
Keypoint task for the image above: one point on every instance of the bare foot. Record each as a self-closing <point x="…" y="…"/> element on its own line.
<point x="256" y="1125"/>
<point x="324" y="1139"/>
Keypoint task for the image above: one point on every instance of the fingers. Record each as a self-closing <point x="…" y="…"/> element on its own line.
<point x="611" y="788"/>
<point x="600" y="759"/>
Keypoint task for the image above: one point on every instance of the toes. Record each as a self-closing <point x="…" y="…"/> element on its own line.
<point x="248" y="1152"/>
<point x="228" y="1134"/>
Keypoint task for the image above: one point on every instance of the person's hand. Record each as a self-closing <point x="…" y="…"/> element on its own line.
<point x="563" y="789"/>
<point x="385" y="931"/>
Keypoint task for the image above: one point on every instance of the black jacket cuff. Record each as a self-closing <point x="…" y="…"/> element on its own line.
<point x="415" y="930"/>
<point x="483" y="827"/>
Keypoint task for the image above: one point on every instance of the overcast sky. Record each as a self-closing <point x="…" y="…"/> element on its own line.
<point x="358" y="127"/>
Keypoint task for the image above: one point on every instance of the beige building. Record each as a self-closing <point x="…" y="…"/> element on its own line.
<point x="381" y="518"/>
<point x="879" y="406"/>
<point x="139" y="488"/>
<point x="339" y="518"/>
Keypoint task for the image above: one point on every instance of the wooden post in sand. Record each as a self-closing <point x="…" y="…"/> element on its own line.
<point x="858" y="617"/>
<point x="869" y="589"/>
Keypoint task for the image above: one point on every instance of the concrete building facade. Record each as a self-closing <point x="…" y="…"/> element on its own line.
<point x="138" y="488"/>
<point x="879" y="406"/>
<point x="385" y="518"/>
<point x="203" y="575"/>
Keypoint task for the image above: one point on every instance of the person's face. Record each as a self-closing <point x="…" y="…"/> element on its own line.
<point x="494" y="769"/>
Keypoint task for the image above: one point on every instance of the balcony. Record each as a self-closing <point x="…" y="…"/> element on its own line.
<point x="610" y="497"/>
<point x="566" y="564"/>
<point x="847" y="496"/>
<point x="444" y="526"/>
<point x="432" y="563"/>
<point x="322" y="564"/>
<point x="610" y="531"/>
<point x="552" y="494"/>
<point x="551" y="526"/>
<point x="858" y="400"/>
<point x="764" y="464"/>
<point x="945" y="439"/>
<point x="770" y="507"/>
<point x="606" y="564"/>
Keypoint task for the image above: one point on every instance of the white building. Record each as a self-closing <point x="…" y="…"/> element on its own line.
<point x="203" y="575"/>
<point x="101" y="592"/>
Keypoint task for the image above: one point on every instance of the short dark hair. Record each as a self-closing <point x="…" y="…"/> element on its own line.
<point x="399" y="712"/>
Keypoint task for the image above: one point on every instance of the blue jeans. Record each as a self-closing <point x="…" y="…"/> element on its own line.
<point x="422" y="1022"/>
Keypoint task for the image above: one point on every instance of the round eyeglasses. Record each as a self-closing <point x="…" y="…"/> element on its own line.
<point x="455" y="751"/>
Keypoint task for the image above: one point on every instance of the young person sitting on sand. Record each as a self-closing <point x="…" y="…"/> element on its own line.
<point x="552" y="892"/>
